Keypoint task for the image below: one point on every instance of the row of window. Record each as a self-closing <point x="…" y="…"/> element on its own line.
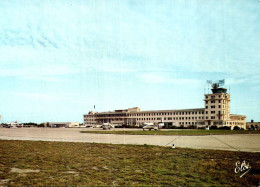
<point x="177" y="118"/>
<point x="211" y="117"/>
<point x="214" y="101"/>
<point x="149" y="114"/>
<point x="169" y="118"/>
<point x="92" y="119"/>
<point x="214" y="112"/>
<point x="234" y="123"/>
<point x="213" y="106"/>
<point x="213" y="96"/>
<point x="187" y="123"/>
<point x="167" y="113"/>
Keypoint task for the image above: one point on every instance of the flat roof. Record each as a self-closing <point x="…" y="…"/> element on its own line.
<point x="151" y="111"/>
<point x="173" y="110"/>
<point x="237" y="115"/>
<point x="111" y="113"/>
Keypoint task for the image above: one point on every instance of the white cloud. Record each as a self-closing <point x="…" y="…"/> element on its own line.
<point x="47" y="79"/>
<point x="253" y="79"/>
<point x="45" y="73"/>
<point x="232" y="81"/>
<point x="48" y="97"/>
<point x="38" y="96"/>
<point x="166" y="78"/>
<point x="78" y="33"/>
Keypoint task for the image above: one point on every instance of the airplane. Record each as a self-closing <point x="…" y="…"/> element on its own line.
<point x="107" y="126"/>
<point x="11" y="125"/>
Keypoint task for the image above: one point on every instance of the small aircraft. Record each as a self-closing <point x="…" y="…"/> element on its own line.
<point x="107" y="126"/>
<point x="11" y="125"/>
<point x="152" y="126"/>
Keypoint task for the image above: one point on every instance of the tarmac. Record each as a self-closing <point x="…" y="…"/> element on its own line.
<point x="235" y="142"/>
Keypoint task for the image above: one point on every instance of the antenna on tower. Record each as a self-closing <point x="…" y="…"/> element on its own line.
<point x="209" y="82"/>
<point x="216" y="86"/>
<point x="221" y="82"/>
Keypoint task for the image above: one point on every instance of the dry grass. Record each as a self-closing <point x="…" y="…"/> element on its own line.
<point x="90" y="164"/>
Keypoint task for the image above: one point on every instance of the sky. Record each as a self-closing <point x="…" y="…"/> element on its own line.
<point x="60" y="58"/>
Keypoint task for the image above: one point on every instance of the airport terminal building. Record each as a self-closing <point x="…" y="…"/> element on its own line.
<point x="215" y="113"/>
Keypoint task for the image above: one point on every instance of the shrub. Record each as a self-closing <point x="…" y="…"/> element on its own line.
<point x="225" y="128"/>
<point x="236" y="128"/>
<point x="181" y="127"/>
<point x="213" y="127"/>
<point x="192" y="127"/>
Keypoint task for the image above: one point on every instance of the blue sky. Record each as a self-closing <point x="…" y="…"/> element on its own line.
<point x="60" y="58"/>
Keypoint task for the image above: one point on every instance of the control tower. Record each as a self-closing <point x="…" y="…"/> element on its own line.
<point x="217" y="104"/>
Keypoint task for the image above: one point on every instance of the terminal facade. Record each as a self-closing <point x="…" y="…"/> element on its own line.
<point x="215" y="113"/>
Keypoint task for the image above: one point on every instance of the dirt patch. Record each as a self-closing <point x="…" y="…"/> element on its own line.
<point x="17" y="170"/>
<point x="4" y="181"/>
<point x="71" y="172"/>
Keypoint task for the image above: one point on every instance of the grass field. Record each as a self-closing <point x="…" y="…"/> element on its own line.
<point x="192" y="132"/>
<point x="29" y="163"/>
